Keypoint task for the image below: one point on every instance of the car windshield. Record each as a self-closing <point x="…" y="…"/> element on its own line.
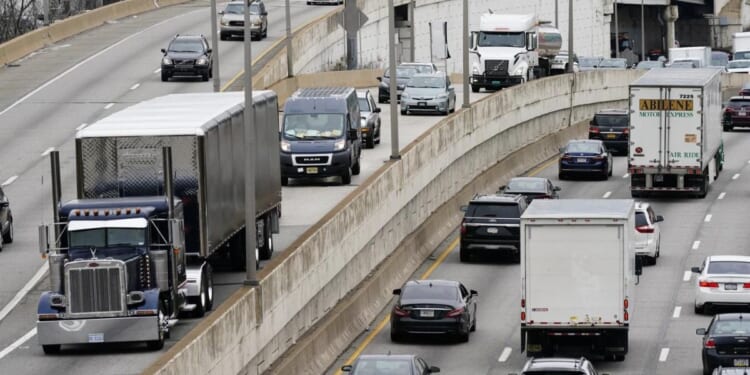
<point x="426" y="82"/>
<point x="493" y="210"/>
<point x="107" y="237"/>
<point x="729" y="267"/>
<point x="613" y="63"/>
<point x="501" y="39"/>
<point x="314" y="126"/>
<point x="426" y="290"/>
<point x="186" y="46"/>
<point x="730" y="327"/>
<point x="364" y="105"/>
<point x="738" y="64"/>
<point x="640" y="219"/>
<point x="526" y="185"/>
<point x="742" y="55"/>
<point x="402" y="72"/>
<point x="377" y="366"/>
<point x="238" y="8"/>
<point x="582" y="147"/>
<point x="611" y="121"/>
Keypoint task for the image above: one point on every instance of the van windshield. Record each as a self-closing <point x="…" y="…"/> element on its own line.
<point x="501" y="39"/>
<point x="314" y="126"/>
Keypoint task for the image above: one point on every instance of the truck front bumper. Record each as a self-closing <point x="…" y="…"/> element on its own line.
<point x="480" y="80"/>
<point x="338" y="163"/>
<point x="101" y="330"/>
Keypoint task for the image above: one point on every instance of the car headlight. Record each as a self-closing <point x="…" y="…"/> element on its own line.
<point x="443" y="96"/>
<point x="166" y="61"/>
<point x="201" y="61"/>
<point x="339" y="145"/>
<point x="363" y="123"/>
<point x="286" y="146"/>
<point x="224" y="22"/>
<point x="404" y="95"/>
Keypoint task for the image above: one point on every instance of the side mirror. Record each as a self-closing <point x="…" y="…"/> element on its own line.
<point x="474" y="292"/>
<point x="396" y="292"/>
<point x="353" y="134"/>
<point x="502" y="187"/>
<point x="221" y="12"/>
<point x="700" y="331"/>
<point x="639" y="265"/>
<point x="695" y="270"/>
<point x="556" y="188"/>
<point x="464" y="208"/>
<point x="376" y="110"/>
<point x="43" y="240"/>
<point x="659" y="218"/>
<point x="209" y="50"/>
<point x="379" y="79"/>
<point x="433" y="369"/>
<point x="347" y="368"/>
<point x="163" y="50"/>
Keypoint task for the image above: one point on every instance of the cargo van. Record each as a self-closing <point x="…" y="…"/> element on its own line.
<point x="320" y="134"/>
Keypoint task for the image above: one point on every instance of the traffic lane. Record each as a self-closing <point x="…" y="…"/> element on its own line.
<point x="498" y="284"/>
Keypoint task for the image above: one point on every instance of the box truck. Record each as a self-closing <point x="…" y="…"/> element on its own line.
<point x="160" y="196"/>
<point x="741" y="46"/>
<point x="577" y="276"/>
<point x="675" y="131"/>
<point x="700" y="55"/>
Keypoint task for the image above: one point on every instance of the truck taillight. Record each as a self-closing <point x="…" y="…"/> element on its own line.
<point x="746" y="286"/>
<point x="523" y="316"/>
<point x="710" y="344"/>
<point x="523" y="302"/>
<point x="626" y="316"/>
<point x="644" y="229"/>
<point x="625" y="303"/>
<point x="708" y="284"/>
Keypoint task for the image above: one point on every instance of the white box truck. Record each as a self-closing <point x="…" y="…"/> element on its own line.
<point x="701" y="56"/>
<point x="741" y="46"/>
<point x="675" y="131"/>
<point x="577" y="268"/>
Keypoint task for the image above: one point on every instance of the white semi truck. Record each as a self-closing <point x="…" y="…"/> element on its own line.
<point x="675" y="131"/>
<point x="577" y="276"/>
<point x="510" y="49"/>
<point x="741" y="46"/>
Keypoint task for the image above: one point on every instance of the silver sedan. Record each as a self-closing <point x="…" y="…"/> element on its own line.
<point x="428" y="93"/>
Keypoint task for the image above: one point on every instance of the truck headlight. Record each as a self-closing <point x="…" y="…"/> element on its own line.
<point x="224" y="22"/>
<point x="166" y="61"/>
<point x="339" y="145"/>
<point x="518" y="71"/>
<point x="57" y="300"/>
<point x="286" y="146"/>
<point x="201" y="61"/>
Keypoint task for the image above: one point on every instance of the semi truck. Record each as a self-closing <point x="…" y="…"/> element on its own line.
<point x="160" y="198"/>
<point x="700" y="56"/>
<point x="741" y="46"/>
<point x="509" y="49"/>
<point x="577" y="275"/>
<point x="675" y="131"/>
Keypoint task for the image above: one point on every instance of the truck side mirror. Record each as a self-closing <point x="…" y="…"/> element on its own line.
<point x="43" y="240"/>
<point x="396" y="292"/>
<point x="530" y="41"/>
<point x="376" y="110"/>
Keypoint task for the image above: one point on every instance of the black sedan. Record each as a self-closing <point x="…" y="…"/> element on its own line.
<point x="531" y="188"/>
<point x="726" y="341"/>
<point x="392" y="364"/>
<point x="434" y="306"/>
<point x="6" y="220"/>
<point x="585" y="157"/>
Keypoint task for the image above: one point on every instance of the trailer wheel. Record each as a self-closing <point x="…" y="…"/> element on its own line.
<point x="51" y="349"/>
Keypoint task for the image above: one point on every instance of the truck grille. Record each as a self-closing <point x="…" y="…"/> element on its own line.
<point x="496" y="67"/>
<point x="95" y="289"/>
<point x="311" y="159"/>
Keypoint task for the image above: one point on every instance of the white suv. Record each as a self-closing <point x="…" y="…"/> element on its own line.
<point x="647" y="238"/>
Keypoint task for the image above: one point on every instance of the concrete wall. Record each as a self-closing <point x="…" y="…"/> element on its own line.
<point x="256" y="326"/>
<point x="23" y="45"/>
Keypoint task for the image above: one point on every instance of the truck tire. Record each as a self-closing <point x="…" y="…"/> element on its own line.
<point x="474" y="88"/>
<point x="158" y="344"/>
<point x="8" y="236"/>
<point x="51" y="349"/>
<point x="266" y="249"/>
<point x="346" y="178"/>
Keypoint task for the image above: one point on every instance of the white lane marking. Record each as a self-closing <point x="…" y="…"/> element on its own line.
<point x="664" y="354"/>
<point x="81" y="126"/>
<point x="686" y="276"/>
<point x="108" y="106"/>
<point x="626" y="175"/>
<point x="157" y="71"/>
<point x="47" y="151"/>
<point x="135" y="86"/>
<point x="708" y="218"/>
<point x="505" y="354"/>
<point x="22" y="293"/>
<point x="76" y="66"/>
<point x="18" y="343"/>
<point x="677" y="311"/>
<point x="721" y="196"/>
<point x="9" y="181"/>
<point x="607" y="194"/>
<point x="736" y="176"/>
<point x="696" y="245"/>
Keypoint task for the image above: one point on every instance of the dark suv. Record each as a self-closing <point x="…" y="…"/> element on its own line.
<point x="611" y="127"/>
<point x="736" y="113"/>
<point x="6" y="220"/>
<point x="187" y="55"/>
<point x="492" y="223"/>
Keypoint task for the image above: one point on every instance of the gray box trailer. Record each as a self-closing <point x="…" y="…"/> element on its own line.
<point x="120" y="156"/>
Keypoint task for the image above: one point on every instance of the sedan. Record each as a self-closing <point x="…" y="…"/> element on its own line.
<point x="585" y="157"/>
<point x="723" y="280"/>
<point x="434" y="307"/>
<point x="531" y="188"/>
<point x="428" y="93"/>
<point x="370" y="119"/>
<point x="396" y="364"/>
<point x="6" y="220"/>
<point x="647" y="241"/>
<point x="726" y="342"/>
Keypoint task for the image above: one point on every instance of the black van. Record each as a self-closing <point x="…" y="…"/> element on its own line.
<point x="320" y="134"/>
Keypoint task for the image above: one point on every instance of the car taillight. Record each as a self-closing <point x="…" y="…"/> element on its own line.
<point x="746" y="285"/>
<point x="455" y="312"/>
<point x="728" y="110"/>
<point x="644" y="229"/>
<point x="599" y="157"/>
<point x="708" y="284"/>
<point x="463" y="226"/>
<point x="399" y="311"/>
<point x="594" y="130"/>
<point x="626" y="131"/>
<point x="567" y="157"/>
<point x="710" y="344"/>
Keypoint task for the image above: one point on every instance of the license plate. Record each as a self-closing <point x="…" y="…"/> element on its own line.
<point x="496" y="83"/>
<point x="427" y="313"/>
<point x="658" y="178"/>
<point x="422" y="104"/>
<point x="581" y="160"/>
<point x="96" y="337"/>
<point x="743" y="113"/>
<point x="611" y="136"/>
<point x="311" y="170"/>
<point x="492" y="230"/>
<point x="740" y="362"/>
<point x="730" y="286"/>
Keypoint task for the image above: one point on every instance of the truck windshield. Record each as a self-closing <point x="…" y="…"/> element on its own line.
<point x="501" y="39"/>
<point x="107" y="237"/>
<point x="314" y="126"/>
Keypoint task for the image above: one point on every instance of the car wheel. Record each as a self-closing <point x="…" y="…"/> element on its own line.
<point x="464" y="255"/>
<point x="164" y="76"/>
<point x="727" y="128"/>
<point x="265" y="32"/>
<point x="619" y="357"/>
<point x="395" y="336"/>
<point x="355" y="168"/>
<point x="51" y="349"/>
<point x="223" y="36"/>
<point x="610" y="171"/>
<point x="463" y="336"/>
<point x="8" y="236"/>
<point x="474" y="323"/>
<point x="204" y="76"/>
<point x="346" y="178"/>
<point x="403" y="112"/>
<point x="561" y="176"/>
<point x="284" y="181"/>
<point x="474" y="88"/>
<point x="370" y="141"/>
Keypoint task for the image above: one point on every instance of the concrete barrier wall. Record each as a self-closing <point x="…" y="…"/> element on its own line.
<point x="25" y="44"/>
<point x="256" y="326"/>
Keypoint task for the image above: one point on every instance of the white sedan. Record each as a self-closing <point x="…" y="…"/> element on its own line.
<point x="723" y="280"/>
